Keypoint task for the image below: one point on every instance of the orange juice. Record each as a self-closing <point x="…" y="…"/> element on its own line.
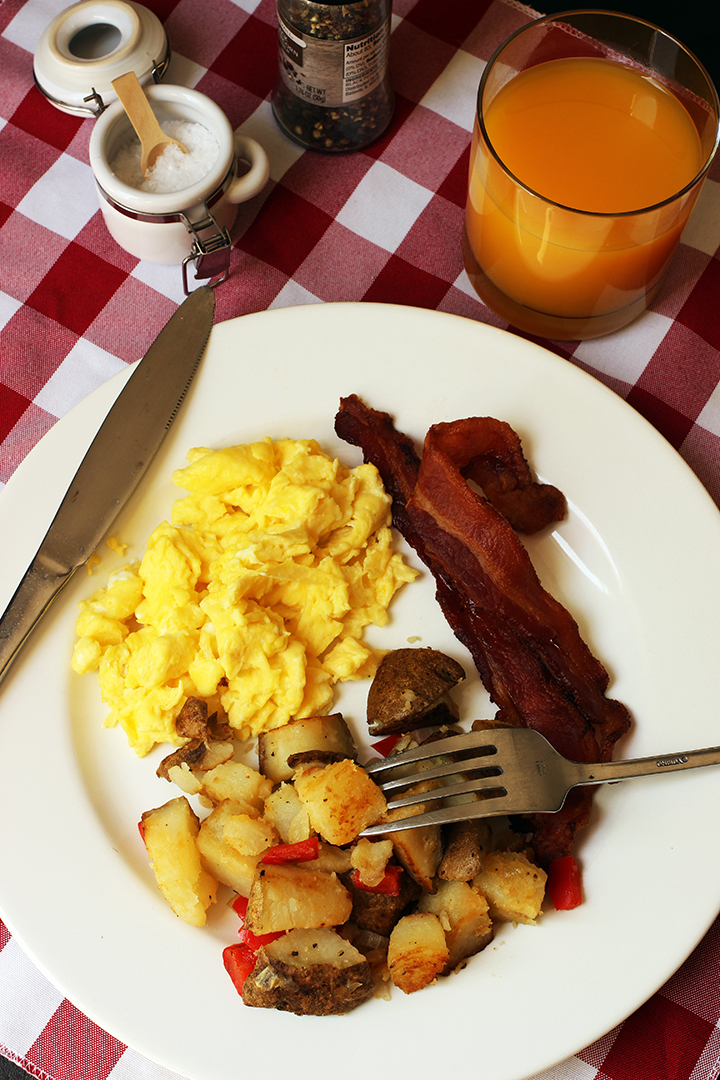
<point x="573" y="249"/>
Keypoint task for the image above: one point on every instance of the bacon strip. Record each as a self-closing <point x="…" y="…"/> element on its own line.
<point x="526" y="646"/>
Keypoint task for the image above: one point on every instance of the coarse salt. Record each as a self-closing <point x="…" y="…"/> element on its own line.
<point x="173" y="170"/>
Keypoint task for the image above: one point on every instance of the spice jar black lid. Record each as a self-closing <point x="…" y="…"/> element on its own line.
<point x="91" y="43"/>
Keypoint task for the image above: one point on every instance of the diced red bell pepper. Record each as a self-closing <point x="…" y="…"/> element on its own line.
<point x="239" y="905"/>
<point x="389" y="886"/>
<point x="141" y="829"/>
<point x="564" y="884"/>
<point x="301" y="852"/>
<point x="239" y="960"/>
<point x="385" y="745"/>
<point x="256" y="941"/>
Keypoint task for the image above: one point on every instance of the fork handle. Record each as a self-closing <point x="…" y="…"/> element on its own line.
<point x="607" y="771"/>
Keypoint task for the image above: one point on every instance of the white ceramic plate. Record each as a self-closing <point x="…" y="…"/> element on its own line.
<point x="637" y="563"/>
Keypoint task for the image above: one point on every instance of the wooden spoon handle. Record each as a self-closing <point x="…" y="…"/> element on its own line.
<point x="152" y="137"/>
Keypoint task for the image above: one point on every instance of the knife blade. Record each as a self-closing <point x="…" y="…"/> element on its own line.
<point x="113" y="466"/>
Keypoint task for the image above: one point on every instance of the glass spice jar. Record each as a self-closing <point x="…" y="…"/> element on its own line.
<point x="333" y="92"/>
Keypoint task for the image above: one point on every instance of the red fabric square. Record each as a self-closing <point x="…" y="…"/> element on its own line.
<point x="402" y="110"/>
<point x="38" y="117"/>
<point x="684" y="373"/>
<point x="4" y="935"/>
<point x="400" y="283"/>
<point x="701" y="450"/>
<point x="434" y="241"/>
<point x="71" y="1047"/>
<point x="661" y="1041"/>
<point x="23" y="160"/>
<point x="14" y="65"/>
<point x="12" y="406"/>
<point x="250" y="59"/>
<point x="288" y="230"/>
<point x="32" y="347"/>
<point x="128" y="323"/>
<point x="27" y="433"/>
<point x="39" y="248"/>
<point x="195" y="33"/>
<point x="696" y="314"/>
<point x="427" y="148"/>
<point x="416" y="60"/>
<point x="669" y="422"/>
<point x="237" y="103"/>
<point x="326" y="181"/>
<point x="454" y="186"/>
<point x="449" y="22"/>
<point x="76" y="306"/>
<point x="342" y="266"/>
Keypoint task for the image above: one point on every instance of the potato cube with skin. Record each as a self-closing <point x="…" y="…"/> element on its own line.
<point x="328" y="734"/>
<point x="219" y="857"/>
<point x="170" y="833"/>
<point x="417" y="952"/>
<point x="287" y="897"/>
<point x="463" y="914"/>
<point x="234" y="780"/>
<point x="249" y="835"/>
<point x="341" y="800"/>
<point x="513" y="886"/>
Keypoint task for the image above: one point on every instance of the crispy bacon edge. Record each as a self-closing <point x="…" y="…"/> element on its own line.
<point x="526" y="646"/>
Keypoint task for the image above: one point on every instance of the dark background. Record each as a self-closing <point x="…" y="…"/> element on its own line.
<point x="688" y="20"/>
<point x="691" y="21"/>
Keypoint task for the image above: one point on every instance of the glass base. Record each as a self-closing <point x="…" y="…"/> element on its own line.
<point x="544" y="324"/>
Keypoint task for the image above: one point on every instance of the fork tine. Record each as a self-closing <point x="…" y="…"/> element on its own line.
<point x="490" y="807"/>
<point x="472" y="740"/>
<point x="451" y="768"/>
<point x="469" y="787"/>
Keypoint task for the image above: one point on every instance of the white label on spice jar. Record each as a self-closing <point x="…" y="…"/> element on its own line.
<point x="332" y="73"/>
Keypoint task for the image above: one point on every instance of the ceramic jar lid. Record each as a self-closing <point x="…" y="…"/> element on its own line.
<point x="91" y="43"/>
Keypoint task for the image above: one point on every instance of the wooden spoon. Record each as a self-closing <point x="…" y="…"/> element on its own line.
<point x="153" y="139"/>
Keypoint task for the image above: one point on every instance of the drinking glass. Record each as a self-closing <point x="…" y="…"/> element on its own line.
<point x="577" y="269"/>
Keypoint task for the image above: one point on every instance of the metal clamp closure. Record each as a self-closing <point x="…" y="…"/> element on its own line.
<point x="211" y="254"/>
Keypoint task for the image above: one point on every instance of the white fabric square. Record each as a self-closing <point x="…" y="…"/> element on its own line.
<point x="384" y="206"/>
<point x="167" y="280"/>
<point x="626" y="353"/>
<point x="703" y="229"/>
<point x="29" y="24"/>
<point x="64" y="198"/>
<point x="8" y="306"/>
<point x="29" y="1000"/>
<point x="709" y="417"/>
<point x="183" y="72"/>
<point x="293" y="295"/>
<point x="132" y="1066"/>
<point x="84" y="368"/>
<point x="454" y="92"/>
<point x="281" y="150"/>
<point x="247" y="5"/>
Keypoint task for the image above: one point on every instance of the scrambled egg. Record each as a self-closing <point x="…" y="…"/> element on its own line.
<point x="254" y="596"/>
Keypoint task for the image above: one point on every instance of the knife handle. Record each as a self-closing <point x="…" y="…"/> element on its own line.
<point x="38" y="588"/>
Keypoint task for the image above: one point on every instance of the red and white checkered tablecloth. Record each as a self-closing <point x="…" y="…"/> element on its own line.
<point x="378" y="225"/>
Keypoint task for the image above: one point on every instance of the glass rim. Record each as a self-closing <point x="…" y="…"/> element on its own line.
<point x="559" y="17"/>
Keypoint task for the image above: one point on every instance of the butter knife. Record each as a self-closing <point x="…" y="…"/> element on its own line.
<point x="113" y="466"/>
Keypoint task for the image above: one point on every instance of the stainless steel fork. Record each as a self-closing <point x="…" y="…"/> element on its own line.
<point x="509" y="771"/>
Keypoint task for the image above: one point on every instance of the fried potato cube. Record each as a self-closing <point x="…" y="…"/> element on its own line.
<point x="328" y="734"/>
<point x="463" y="914"/>
<point x="249" y="835"/>
<point x="288" y="814"/>
<point x="287" y="897"/>
<point x="418" y="850"/>
<point x="233" y="780"/>
<point x="370" y="860"/>
<point x="219" y="857"/>
<point x="310" y="973"/>
<point x="170" y="833"/>
<point x="513" y="886"/>
<point x="341" y="800"/>
<point x="417" y="952"/>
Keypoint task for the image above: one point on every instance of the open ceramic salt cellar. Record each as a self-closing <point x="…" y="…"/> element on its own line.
<point x="82" y="51"/>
